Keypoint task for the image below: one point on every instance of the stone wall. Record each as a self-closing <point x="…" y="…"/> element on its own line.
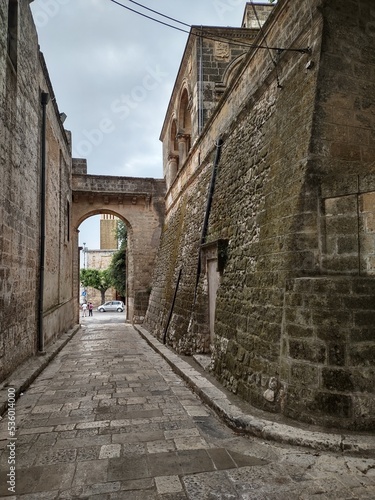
<point x="295" y="305"/>
<point x="99" y="259"/>
<point x="59" y="295"/>
<point x="328" y="351"/>
<point x="108" y="227"/>
<point x="23" y="75"/>
<point x="18" y="204"/>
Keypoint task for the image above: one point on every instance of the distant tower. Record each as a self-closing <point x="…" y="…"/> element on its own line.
<point x="256" y="15"/>
<point x="108" y="239"/>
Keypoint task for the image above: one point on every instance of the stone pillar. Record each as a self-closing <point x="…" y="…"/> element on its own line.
<point x="172" y="169"/>
<point x="183" y="142"/>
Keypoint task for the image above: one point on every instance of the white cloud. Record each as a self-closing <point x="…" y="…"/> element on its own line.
<point x="100" y="58"/>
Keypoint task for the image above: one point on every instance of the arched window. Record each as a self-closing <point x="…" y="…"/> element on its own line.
<point x="184" y="126"/>
<point x="173" y="139"/>
<point x="184" y="115"/>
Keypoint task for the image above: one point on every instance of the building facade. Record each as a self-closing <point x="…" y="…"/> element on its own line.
<point x="36" y="299"/>
<point x="267" y="253"/>
<point x="101" y="258"/>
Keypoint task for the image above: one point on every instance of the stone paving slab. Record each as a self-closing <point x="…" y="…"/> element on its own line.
<point x="67" y="448"/>
<point x="23" y="376"/>
<point x="218" y="400"/>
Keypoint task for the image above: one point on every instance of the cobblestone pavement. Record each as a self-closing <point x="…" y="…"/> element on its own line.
<point x="109" y="419"/>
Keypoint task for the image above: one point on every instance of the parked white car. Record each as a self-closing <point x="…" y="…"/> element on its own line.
<point x="112" y="305"/>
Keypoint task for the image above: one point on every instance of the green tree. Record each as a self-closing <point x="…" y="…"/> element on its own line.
<point x="121" y="233"/>
<point x="117" y="268"/>
<point x="117" y="271"/>
<point x="99" y="279"/>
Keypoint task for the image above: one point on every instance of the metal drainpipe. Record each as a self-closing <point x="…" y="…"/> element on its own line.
<point x="219" y="145"/>
<point x="44" y="101"/>
<point x="200" y="96"/>
<point x="172" y="307"/>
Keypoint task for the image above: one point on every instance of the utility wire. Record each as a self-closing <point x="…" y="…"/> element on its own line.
<point x="159" y="13"/>
<point x="217" y="38"/>
<point x="148" y="17"/>
<point x="265" y="41"/>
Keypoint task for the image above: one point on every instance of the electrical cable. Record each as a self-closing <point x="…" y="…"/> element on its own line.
<point x="265" y="41"/>
<point x="148" y="17"/>
<point x="217" y="38"/>
<point x="159" y="13"/>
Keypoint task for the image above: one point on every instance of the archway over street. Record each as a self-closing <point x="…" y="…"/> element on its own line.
<point x="139" y="202"/>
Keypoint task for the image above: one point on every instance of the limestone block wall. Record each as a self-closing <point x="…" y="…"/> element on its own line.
<point x="19" y="232"/>
<point x="250" y="171"/>
<point x="294" y="200"/>
<point x="59" y="294"/>
<point x="328" y="351"/>
<point x="108" y="226"/>
<point x="99" y="259"/>
<point x="23" y="76"/>
<point x="329" y="321"/>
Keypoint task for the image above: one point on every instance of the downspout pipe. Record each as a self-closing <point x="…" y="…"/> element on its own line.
<point x="44" y="101"/>
<point x="219" y="144"/>
<point x="172" y="307"/>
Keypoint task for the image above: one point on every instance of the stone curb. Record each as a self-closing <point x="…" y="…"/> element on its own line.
<point x="24" y="376"/>
<point x="351" y="444"/>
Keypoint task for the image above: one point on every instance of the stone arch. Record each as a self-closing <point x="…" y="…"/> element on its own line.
<point x="231" y="69"/>
<point x="228" y="75"/>
<point x="129" y="252"/>
<point x="140" y="204"/>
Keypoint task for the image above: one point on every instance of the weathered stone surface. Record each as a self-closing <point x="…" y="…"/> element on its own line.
<point x="139" y="203"/>
<point x="173" y="456"/>
<point x="24" y="77"/>
<point x="294" y="199"/>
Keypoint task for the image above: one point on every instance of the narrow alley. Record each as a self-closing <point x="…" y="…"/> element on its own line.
<point x="109" y="419"/>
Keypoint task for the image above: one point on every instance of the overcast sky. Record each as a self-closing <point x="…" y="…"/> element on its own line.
<point x="113" y="72"/>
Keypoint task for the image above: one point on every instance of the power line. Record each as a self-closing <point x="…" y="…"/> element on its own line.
<point x="265" y="41"/>
<point x="148" y="17"/>
<point x="159" y="13"/>
<point x="217" y="38"/>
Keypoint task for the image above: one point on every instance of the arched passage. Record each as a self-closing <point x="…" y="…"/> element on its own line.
<point x="100" y="256"/>
<point x="140" y="204"/>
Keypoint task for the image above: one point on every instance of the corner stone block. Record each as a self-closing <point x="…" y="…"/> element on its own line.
<point x="336" y="354"/>
<point x="340" y="225"/>
<point x="367" y="202"/>
<point x="362" y="355"/>
<point x="302" y="372"/>
<point x="337" y="186"/>
<point x="336" y="405"/>
<point x="308" y="351"/>
<point x="337" y="380"/>
<point x="340" y="206"/>
<point x="347" y="244"/>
